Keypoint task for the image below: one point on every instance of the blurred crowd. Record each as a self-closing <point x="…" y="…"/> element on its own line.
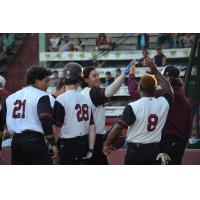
<point x="168" y="40"/>
<point x="6" y="44"/>
<point x="62" y="43"/>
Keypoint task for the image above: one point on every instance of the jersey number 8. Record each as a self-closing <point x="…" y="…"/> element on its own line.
<point x="152" y="122"/>
<point x="82" y="113"/>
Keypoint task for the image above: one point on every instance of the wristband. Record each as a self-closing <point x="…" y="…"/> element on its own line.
<point x="91" y="150"/>
<point x="51" y="141"/>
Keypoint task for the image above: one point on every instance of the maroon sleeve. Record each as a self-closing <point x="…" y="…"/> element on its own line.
<point x="133" y="87"/>
<point x="97" y="96"/>
<point x="188" y="125"/>
<point x="169" y="99"/>
<point x="44" y="111"/>
<point x="128" y="117"/>
<point x="58" y="114"/>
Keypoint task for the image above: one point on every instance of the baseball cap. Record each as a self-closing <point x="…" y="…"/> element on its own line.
<point x="171" y="71"/>
<point x="73" y="71"/>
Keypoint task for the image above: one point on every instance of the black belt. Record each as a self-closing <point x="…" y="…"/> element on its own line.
<point x="138" y="145"/>
<point x="75" y="138"/>
<point x="29" y="133"/>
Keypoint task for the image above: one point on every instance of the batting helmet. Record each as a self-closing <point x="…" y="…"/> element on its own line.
<point x="73" y="71"/>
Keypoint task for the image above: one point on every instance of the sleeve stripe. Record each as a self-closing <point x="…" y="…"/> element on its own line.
<point x="123" y="123"/>
<point x="43" y="115"/>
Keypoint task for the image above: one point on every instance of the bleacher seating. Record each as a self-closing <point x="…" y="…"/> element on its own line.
<point x="129" y="40"/>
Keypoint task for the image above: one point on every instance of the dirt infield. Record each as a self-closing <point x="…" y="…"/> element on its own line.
<point x="191" y="157"/>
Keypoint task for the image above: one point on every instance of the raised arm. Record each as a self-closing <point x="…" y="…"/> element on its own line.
<point x="133" y="84"/>
<point x="114" y="87"/>
<point x="164" y="83"/>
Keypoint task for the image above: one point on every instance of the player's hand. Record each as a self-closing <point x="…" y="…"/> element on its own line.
<point x="56" y="161"/>
<point x="164" y="158"/>
<point x="107" y="149"/>
<point x="149" y="63"/>
<point x="132" y="70"/>
<point x="88" y="155"/>
<point x="127" y="69"/>
<point x="54" y="152"/>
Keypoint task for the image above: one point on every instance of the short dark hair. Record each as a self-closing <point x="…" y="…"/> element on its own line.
<point x="36" y="73"/>
<point x="118" y="70"/>
<point x="60" y="84"/>
<point x="86" y="73"/>
<point x="70" y="82"/>
<point x="108" y="73"/>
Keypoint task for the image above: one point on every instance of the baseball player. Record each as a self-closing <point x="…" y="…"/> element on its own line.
<point x="29" y="118"/>
<point x="3" y="95"/>
<point x="177" y="129"/>
<point x="74" y="119"/>
<point x="144" y="119"/>
<point x="97" y="97"/>
<point x="6" y="148"/>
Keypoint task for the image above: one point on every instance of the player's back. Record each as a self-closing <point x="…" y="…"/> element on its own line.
<point x="151" y="114"/>
<point x="99" y="113"/>
<point x="22" y="110"/>
<point x="77" y="114"/>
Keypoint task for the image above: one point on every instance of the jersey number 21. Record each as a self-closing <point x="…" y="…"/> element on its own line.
<point x="19" y="109"/>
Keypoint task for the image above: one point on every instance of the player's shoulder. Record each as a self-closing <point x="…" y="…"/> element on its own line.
<point x="34" y="92"/>
<point x="61" y="97"/>
<point x="11" y="96"/>
<point x="65" y="97"/>
<point x="137" y="102"/>
<point x="86" y="89"/>
<point x="163" y="98"/>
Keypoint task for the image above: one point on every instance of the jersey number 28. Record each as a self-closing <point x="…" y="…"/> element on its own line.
<point x="19" y="109"/>
<point x="82" y="113"/>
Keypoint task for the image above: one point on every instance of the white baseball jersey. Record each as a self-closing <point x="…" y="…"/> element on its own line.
<point x="99" y="112"/>
<point x="150" y="117"/>
<point x="73" y="112"/>
<point x="21" y="111"/>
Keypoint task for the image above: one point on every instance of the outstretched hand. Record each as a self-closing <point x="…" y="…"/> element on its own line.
<point x="149" y="63"/>
<point x="127" y="69"/>
<point x="132" y="70"/>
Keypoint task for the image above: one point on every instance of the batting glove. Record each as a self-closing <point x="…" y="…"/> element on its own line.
<point x="164" y="158"/>
<point x="88" y="155"/>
